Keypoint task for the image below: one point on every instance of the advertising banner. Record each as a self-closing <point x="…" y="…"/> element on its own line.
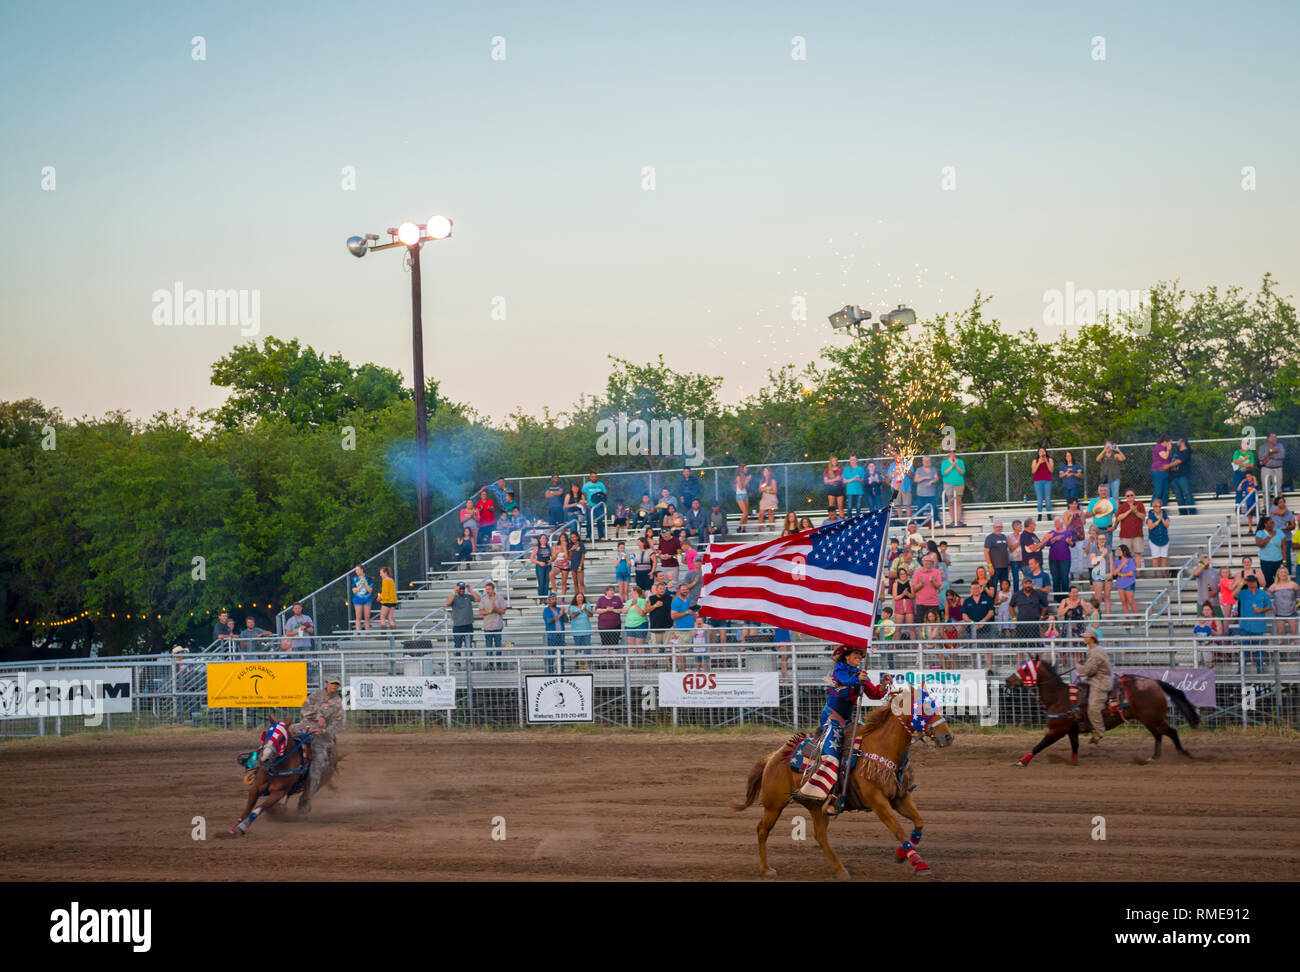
<point x="717" y="690"/>
<point x="237" y="685"/>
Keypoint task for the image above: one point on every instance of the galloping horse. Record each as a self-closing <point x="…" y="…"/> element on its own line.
<point x="885" y="734"/>
<point x="277" y="777"/>
<point x="1148" y="703"/>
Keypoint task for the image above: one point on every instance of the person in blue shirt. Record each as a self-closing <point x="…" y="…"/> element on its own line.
<point x="855" y="478"/>
<point x="1247" y="491"/>
<point x="1252" y="606"/>
<point x="363" y="592"/>
<point x="553" y="618"/>
<point x="847" y="681"/>
<point x="594" y="490"/>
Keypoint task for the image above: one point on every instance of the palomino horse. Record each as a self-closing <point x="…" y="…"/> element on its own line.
<point x="1148" y="703"/>
<point x="277" y="777"/>
<point x="885" y="733"/>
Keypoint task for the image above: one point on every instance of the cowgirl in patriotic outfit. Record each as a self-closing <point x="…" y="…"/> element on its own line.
<point x="847" y="681"/>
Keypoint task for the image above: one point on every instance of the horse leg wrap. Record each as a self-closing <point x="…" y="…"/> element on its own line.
<point x="912" y="856"/>
<point x="1024" y="760"/>
<point x="916" y="836"/>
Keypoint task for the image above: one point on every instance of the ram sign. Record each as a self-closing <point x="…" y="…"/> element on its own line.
<point x="69" y="692"/>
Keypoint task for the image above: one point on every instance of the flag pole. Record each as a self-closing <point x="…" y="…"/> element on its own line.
<point x="847" y="762"/>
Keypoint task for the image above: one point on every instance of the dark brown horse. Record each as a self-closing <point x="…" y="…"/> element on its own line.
<point x="276" y="778"/>
<point x="886" y="734"/>
<point x="1148" y="704"/>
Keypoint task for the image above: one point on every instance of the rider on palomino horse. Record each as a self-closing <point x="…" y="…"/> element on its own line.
<point x="323" y="715"/>
<point x="847" y="681"/>
<point x="1096" y="670"/>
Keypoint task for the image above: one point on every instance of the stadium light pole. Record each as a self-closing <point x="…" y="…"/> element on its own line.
<point x="412" y="236"/>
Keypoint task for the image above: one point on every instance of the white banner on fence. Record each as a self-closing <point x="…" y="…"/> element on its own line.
<point x="560" y="698"/>
<point x="67" y="692"/>
<point x="423" y="692"/>
<point x="717" y="690"/>
<point x="957" y="690"/>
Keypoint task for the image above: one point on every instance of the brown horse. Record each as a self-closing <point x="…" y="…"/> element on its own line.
<point x="278" y="778"/>
<point x="886" y="734"/>
<point x="1148" y="704"/>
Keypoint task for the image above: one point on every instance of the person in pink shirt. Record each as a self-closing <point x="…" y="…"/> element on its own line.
<point x="927" y="585"/>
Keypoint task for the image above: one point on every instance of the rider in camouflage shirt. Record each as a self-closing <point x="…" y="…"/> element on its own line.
<point x="323" y="715"/>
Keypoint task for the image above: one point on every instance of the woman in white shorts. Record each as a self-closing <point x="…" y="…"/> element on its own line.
<point x="1158" y="536"/>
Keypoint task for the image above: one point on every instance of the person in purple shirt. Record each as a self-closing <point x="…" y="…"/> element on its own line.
<point x="1059" y="542"/>
<point x="1161" y="457"/>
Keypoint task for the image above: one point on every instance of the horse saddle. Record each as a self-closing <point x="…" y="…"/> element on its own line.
<point x="1118" y="700"/>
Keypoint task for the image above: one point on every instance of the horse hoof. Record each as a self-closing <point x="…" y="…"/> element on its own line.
<point x="900" y="855"/>
<point x="1019" y="765"/>
<point x="842" y="875"/>
<point x="770" y="872"/>
<point x="922" y="870"/>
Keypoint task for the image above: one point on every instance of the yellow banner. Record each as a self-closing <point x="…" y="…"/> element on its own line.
<point x="237" y="685"/>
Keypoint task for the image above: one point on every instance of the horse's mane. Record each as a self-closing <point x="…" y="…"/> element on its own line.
<point x="1046" y="670"/>
<point x="877" y="718"/>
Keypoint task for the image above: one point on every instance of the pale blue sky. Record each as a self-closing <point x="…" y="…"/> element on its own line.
<point x="774" y="177"/>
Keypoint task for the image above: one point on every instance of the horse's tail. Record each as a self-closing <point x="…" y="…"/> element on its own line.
<point x="755" y="780"/>
<point x="1182" y="703"/>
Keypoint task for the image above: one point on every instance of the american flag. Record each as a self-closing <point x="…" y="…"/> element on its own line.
<point x="821" y="582"/>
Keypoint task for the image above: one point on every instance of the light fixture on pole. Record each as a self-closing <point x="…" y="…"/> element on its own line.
<point x="412" y="236"/>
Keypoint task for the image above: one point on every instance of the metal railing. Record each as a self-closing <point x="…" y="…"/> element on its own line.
<point x="1257" y="683"/>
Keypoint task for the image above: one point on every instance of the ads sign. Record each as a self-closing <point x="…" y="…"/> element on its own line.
<point x="555" y="699"/>
<point x="717" y="690"/>
<point x="402" y="692"/>
<point x="69" y="692"/>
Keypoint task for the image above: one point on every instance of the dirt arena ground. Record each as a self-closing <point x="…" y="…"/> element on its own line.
<point x="601" y="805"/>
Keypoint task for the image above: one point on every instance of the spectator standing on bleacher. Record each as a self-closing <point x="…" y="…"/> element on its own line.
<point x="1124" y="573"/>
<point x="855" y="478"/>
<point x="997" y="553"/>
<point x="1180" y="477"/>
<point x="578" y="564"/>
<point x="741" y="486"/>
<point x="485" y="511"/>
<point x="645" y="563"/>
<point x="578" y="617"/>
<point x="1028" y="605"/>
<point x="298" y="629"/>
<point x="500" y="492"/>
<point x="1071" y="476"/>
<point x="669" y="545"/>
<point x="1161" y="457"/>
<point x="465" y="549"/>
<point x="1283" y="591"/>
<point x="1272" y="458"/>
<point x="1060" y="550"/>
<point x="767" y="498"/>
<point x="954" y="485"/>
<point x="1110" y="458"/>
<point x="492" y="609"/>
<point x="462" y="601"/>
<point x="659" y="608"/>
<point x="927" y="492"/>
<point x="687" y="489"/>
<point x="609" y="617"/>
<point x="900" y="482"/>
<point x="1130" y="518"/>
<point x="1285" y="521"/>
<point x="1030" y="544"/>
<point x="1207" y="584"/>
<point x="597" y="501"/>
<point x="387" y="599"/>
<point x="248" y="637"/>
<point x="555" y="500"/>
<point x="553" y="620"/>
<point x="1243" y="461"/>
<point x="575" y="510"/>
<point x="1269" y="541"/>
<point x="1253" y="604"/>
<point x="1043" y="468"/>
<point x="468" y="518"/>
<point x="223" y="631"/>
<point x="1158" y="537"/>
<point x="540" y="558"/>
<point x="875" y="488"/>
<point x="833" y="481"/>
<point x="363" y="595"/>
<point x="1248" y="498"/>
